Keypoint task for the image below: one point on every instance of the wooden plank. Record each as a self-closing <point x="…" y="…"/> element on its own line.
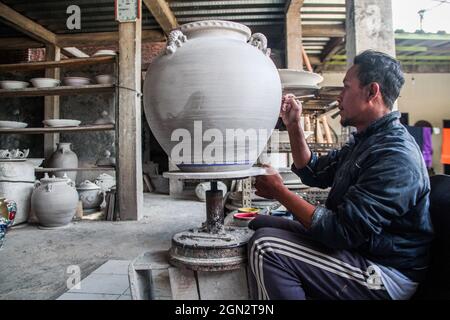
<point x="51" y="103"/>
<point x="128" y="115"/>
<point x="13" y="43"/>
<point x="162" y="14"/>
<point x="77" y="62"/>
<point x="99" y="127"/>
<point x="104" y="38"/>
<point x="311" y="30"/>
<point x="62" y="90"/>
<point x="73" y="52"/>
<point x="26" y="25"/>
<point x="294" y="59"/>
<point x="183" y="284"/>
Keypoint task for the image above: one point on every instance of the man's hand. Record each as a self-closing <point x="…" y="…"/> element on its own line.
<point x="269" y="186"/>
<point x="291" y="110"/>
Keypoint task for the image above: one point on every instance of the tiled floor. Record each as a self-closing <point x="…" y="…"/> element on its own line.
<point x="108" y="282"/>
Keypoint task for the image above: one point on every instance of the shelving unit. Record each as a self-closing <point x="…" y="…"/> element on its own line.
<point x="60" y="91"/>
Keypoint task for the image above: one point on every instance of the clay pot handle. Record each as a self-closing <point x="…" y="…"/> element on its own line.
<point x="71" y="183"/>
<point x="49" y="187"/>
<point x="175" y="40"/>
<point x="259" y="41"/>
<point x="37" y="184"/>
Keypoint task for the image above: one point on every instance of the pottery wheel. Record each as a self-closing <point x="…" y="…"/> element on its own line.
<point x="213" y="246"/>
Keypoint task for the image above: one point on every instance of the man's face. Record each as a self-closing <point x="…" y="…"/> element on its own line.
<point x="351" y="100"/>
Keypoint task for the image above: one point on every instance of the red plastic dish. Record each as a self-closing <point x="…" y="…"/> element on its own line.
<point x="245" y="216"/>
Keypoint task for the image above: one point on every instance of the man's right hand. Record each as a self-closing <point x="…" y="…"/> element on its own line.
<point x="291" y="110"/>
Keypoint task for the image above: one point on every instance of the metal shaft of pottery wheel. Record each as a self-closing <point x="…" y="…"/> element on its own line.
<point x="213" y="246"/>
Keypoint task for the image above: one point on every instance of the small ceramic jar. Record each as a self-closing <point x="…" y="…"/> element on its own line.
<point x="105" y="182"/>
<point x="91" y="195"/>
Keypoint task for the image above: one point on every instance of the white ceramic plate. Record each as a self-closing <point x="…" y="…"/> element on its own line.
<point x="12" y="124"/>
<point x="13" y="84"/>
<point x="61" y="123"/>
<point x="290" y="77"/>
<point x="105" y="53"/>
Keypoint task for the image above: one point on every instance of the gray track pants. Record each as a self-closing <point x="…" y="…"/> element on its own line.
<point x="285" y="264"/>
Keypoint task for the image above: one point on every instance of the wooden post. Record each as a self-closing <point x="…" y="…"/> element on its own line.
<point x="51" y="103"/>
<point x="326" y="128"/>
<point x="294" y="45"/>
<point x="129" y="173"/>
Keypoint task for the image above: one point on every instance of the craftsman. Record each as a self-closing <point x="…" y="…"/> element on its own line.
<point x="371" y="239"/>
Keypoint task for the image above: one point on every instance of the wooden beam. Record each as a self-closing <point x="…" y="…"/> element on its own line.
<point x="294" y="58"/>
<point x="60" y="91"/>
<point x="128" y="117"/>
<point x="335" y="30"/>
<point x="51" y="103"/>
<point x="55" y="64"/>
<point x="104" y="38"/>
<point x="73" y="52"/>
<point x="333" y="46"/>
<point x="26" y="25"/>
<point x="162" y="14"/>
<point x="13" y="43"/>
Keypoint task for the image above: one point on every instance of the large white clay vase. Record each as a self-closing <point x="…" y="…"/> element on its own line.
<point x="218" y="73"/>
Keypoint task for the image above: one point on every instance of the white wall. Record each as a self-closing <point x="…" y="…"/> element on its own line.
<point x="427" y="97"/>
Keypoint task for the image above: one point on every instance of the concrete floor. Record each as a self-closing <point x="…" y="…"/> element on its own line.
<point x="34" y="262"/>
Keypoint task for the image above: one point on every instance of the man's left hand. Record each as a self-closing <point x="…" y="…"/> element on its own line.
<point x="269" y="186"/>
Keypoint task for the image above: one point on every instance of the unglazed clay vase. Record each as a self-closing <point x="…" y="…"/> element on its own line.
<point x="213" y="75"/>
<point x="17" y="182"/>
<point x="54" y="201"/>
<point x="64" y="157"/>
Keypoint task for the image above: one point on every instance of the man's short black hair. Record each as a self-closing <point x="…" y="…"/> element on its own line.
<point x="379" y="67"/>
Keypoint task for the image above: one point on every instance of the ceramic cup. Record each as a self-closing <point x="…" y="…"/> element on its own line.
<point x="16" y="154"/>
<point x="4" y="154"/>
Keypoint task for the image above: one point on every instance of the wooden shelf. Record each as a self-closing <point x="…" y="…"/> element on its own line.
<point x="62" y="90"/>
<point x="40" y="169"/>
<point x="102" y="127"/>
<point x="57" y="64"/>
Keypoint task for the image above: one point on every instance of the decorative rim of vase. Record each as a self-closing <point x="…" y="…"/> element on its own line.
<point x="216" y="24"/>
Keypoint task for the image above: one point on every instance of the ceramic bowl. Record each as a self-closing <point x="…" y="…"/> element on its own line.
<point x="45" y="82"/>
<point x="36" y="162"/>
<point x="12" y="124"/>
<point x="61" y="123"/>
<point x="76" y="81"/>
<point x="104" y="79"/>
<point x="13" y="84"/>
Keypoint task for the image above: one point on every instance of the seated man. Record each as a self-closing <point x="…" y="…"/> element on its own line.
<point x="371" y="239"/>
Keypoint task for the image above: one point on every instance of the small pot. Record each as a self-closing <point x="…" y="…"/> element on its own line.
<point x="105" y="182"/>
<point x="91" y="195"/>
<point x="104" y="79"/>
<point x="45" y="82"/>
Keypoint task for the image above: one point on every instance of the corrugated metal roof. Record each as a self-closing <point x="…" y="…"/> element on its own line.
<point x="266" y="16"/>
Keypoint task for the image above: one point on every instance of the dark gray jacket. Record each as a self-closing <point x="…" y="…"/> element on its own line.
<point x="379" y="199"/>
